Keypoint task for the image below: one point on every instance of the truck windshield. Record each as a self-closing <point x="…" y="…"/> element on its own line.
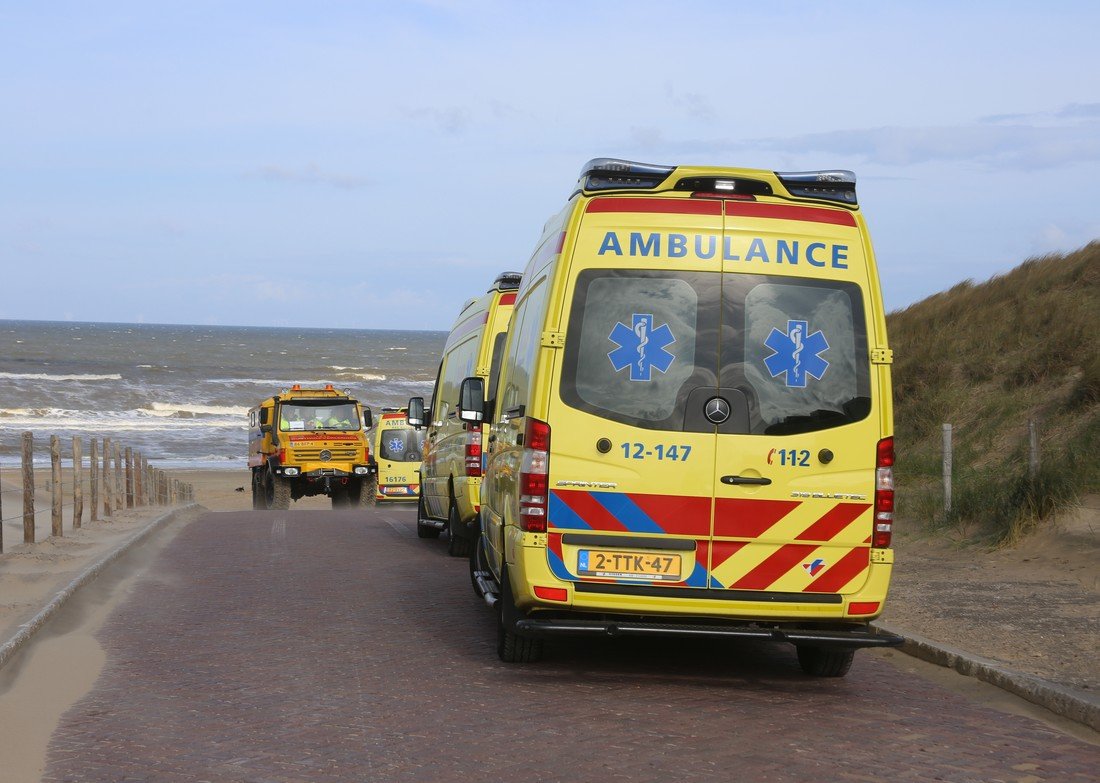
<point x="302" y="417"/>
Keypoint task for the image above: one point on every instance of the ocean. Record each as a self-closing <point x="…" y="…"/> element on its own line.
<point x="180" y="394"/>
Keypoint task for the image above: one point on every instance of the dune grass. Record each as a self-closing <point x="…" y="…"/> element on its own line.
<point x="986" y="358"/>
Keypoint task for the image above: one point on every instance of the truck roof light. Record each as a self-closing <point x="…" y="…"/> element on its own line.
<point x="617" y="174"/>
<point x="835" y="185"/>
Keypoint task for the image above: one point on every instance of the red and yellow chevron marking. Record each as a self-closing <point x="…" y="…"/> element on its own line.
<point x="772" y="545"/>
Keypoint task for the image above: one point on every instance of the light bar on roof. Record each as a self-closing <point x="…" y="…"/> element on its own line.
<point x="837" y="185"/>
<point x="617" y="174"/>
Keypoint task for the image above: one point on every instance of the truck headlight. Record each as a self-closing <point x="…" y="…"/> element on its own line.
<point x="361" y="470"/>
<point x="290" y="471"/>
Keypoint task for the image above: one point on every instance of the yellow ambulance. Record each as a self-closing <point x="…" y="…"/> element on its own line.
<point x="397" y="452"/>
<point x="450" y="476"/>
<point x="692" y="426"/>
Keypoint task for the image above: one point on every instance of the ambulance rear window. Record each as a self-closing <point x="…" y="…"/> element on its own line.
<point x="648" y="348"/>
<point x="401" y="445"/>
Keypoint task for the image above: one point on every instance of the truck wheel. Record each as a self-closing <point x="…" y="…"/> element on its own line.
<point x="259" y="493"/>
<point x="278" y="492"/>
<point x="459" y="544"/>
<point x="825" y="661"/>
<point x="367" y="489"/>
<point x="511" y="647"/>
<point x="424" y="530"/>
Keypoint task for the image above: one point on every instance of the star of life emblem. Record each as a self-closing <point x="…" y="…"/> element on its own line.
<point x="641" y="347"/>
<point x="796" y="354"/>
<point x="396" y="446"/>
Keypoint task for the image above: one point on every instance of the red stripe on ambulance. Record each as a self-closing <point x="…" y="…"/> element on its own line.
<point x="842" y="572"/>
<point x="736" y="518"/>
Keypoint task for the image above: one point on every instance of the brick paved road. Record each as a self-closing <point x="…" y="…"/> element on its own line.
<point x="324" y="646"/>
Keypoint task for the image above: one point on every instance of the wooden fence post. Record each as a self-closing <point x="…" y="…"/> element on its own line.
<point x="129" y="478"/>
<point x="120" y="491"/>
<point x="108" y="495"/>
<point x="93" y="464"/>
<point x="947" y="466"/>
<point x="78" y="482"/>
<point x="139" y="499"/>
<point x="28" y="488"/>
<point x="57" y="492"/>
<point x="1033" y="450"/>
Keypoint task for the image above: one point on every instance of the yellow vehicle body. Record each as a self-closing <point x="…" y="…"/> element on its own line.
<point x="398" y="450"/>
<point x="305" y="442"/>
<point x="693" y="426"/>
<point x="450" y="477"/>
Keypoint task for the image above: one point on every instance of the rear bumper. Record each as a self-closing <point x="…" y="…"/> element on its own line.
<point x="857" y="635"/>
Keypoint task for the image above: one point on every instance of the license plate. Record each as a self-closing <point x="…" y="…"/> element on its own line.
<point x="629" y="565"/>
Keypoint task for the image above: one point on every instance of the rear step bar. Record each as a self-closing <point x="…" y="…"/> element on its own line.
<point x="860" y="636"/>
<point x="486" y="587"/>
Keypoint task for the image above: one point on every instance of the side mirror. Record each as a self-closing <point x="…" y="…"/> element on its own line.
<point x="263" y="415"/>
<point x="415" y="416"/>
<point x="471" y="400"/>
<point x="265" y="428"/>
<point x="368" y="418"/>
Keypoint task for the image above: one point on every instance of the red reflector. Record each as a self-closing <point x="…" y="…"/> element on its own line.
<point x="863" y="607"/>
<point x="886" y="452"/>
<point x="556" y="593"/>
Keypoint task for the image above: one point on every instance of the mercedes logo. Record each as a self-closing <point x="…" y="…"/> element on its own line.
<point x="325" y="455"/>
<point x="717" y="410"/>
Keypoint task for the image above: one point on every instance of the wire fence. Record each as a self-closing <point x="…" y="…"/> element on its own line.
<point x="111" y="478"/>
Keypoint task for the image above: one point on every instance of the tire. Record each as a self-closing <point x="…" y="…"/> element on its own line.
<point x="278" y="492"/>
<point x="423" y="530"/>
<point x="367" y="489"/>
<point x="825" y="661"/>
<point x="511" y="647"/>
<point x="259" y="494"/>
<point x="459" y="545"/>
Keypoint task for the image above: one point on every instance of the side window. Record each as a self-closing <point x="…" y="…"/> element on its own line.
<point x="527" y="327"/>
<point x="459" y="364"/>
<point x="494" y="372"/>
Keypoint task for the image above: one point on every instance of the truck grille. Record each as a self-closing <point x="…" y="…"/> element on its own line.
<point x="338" y="455"/>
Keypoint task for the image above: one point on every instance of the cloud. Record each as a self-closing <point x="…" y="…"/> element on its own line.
<point x="1070" y="135"/>
<point x="452" y="120"/>
<point x="309" y="174"/>
<point x="694" y="104"/>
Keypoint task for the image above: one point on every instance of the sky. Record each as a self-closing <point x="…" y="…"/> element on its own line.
<point x="374" y="164"/>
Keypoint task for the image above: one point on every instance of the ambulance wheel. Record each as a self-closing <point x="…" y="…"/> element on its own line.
<point x="278" y="492"/>
<point x="825" y="661"/>
<point x="424" y="530"/>
<point x="511" y="647"/>
<point x="459" y="544"/>
<point x="259" y="494"/>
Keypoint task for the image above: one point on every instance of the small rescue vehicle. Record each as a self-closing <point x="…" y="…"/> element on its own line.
<point x="398" y="450"/>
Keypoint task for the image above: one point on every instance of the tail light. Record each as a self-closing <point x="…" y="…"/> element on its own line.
<point x="473" y="450"/>
<point x="534" y="477"/>
<point x="282" y="456"/>
<point x="884" y="494"/>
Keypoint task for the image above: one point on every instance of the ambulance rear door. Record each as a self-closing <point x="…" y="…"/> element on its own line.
<point x="796" y="421"/>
